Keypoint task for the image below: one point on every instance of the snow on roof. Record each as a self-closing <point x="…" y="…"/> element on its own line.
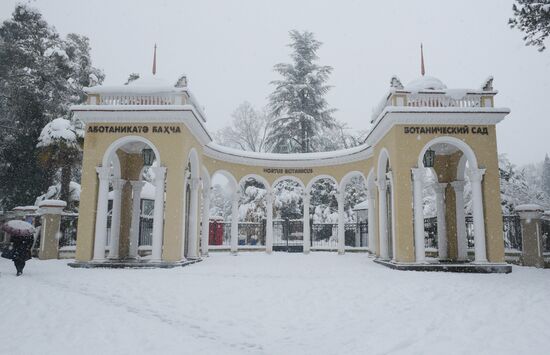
<point x="425" y="83"/>
<point x="148" y="84"/>
<point x="52" y="203"/>
<point x="361" y="206"/>
<point x="530" y="207"/>
<point x="287" y="157"/>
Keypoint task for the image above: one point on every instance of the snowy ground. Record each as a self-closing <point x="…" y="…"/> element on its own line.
<point x="279" y="304"/>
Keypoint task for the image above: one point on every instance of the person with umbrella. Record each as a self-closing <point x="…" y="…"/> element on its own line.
<point x="22" y="239"/>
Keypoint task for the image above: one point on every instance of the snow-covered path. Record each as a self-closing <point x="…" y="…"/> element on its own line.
<point x="280" y="304"/>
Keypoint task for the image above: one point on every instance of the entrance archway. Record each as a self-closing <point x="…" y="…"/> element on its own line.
<point x="289" y="211"/>
<point x="126" y="199"/>
<point x="454" y="164"/>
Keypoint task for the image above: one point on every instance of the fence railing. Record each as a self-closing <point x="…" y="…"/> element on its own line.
<point x="289" y="233"/>
<point x="545" y="231"/>
<point x="511" y="232"/>
<point x="67" y="229"/>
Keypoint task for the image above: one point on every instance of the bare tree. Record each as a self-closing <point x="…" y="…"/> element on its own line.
<point x="248" y="130"/>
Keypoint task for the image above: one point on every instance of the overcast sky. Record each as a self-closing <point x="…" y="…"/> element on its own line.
<point x="228" y="49"/>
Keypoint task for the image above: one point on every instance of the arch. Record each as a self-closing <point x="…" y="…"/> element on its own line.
<point x="115" y="161"/>
<point x="371" y="180"/>
<point x="256" y="177"/>
<point x="193" y="159"/>
<point x="347" y="178"/>
<point x="383" y="160"/>
<point x="317" y="178"/>
<point x="465" y="148"/>
<point x="205" y="178"/>
<point x="107" y="156"/>
<point x="288" y="177"/>
<point x="461" y="168"/>
<point x="232" y="181"/>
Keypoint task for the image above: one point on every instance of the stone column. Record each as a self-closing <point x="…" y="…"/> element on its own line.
<point x="205" y="221"/>
<point x="419" y="243"/>
<point x="462" y="241"/>
<point x="475" y="176"/>
<point x="158" y="213"/>
<point x="235" y="222"/>
<point x="382" y="219"/>
<point x="50" y="216"/>
<point x="532" y="247"/>
<point x="101" y="213"/>
<point x="341" y="225"/>
<point x="307" y="233"/>
<point x="137" y="186"/>
<point x="442" y="245"/>
<point x="118" y="185"/>
<point x="269" y="222"/>
<point x="192" y="253"/>
<point x="371" y="197"/>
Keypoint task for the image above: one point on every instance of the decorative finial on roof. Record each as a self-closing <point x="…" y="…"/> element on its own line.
<point x="422" y="69"/>
<point x="396" y="83"/>
<point x="487" y="84"/>
<point x="155" y="60"/>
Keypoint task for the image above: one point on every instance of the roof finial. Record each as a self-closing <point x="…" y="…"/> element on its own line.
<point x="422" y="69"/>
<point x="155" y="60"/>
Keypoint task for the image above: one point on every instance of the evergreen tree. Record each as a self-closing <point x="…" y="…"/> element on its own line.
<point x="298" y="107"/>
<point x="533" y="18"/>
<point x="41" y="75"/>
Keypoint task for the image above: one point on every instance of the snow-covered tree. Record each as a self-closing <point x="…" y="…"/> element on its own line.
<point x="60" y="142"/>
<point x="288" y="202"/>
<point x="41" y="74"/>
<point x="252" y="205"/>
<point x="533" y="18"/>
<point x="248" y="130"/>
<point x="298" y="107"/>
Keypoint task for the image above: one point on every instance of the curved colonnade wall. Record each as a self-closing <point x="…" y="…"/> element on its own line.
<point x="461" y="135"/>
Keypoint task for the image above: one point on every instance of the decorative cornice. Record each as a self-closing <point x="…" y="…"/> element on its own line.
<point x="282" y="161"/>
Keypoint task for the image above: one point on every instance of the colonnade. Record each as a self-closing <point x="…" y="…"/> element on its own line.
<point x="107" y="179"/>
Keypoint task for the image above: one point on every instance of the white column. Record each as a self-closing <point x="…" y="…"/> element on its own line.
<point x="462" y="241"/>
<point x="383" y="219"/>
<point x="341" y="221"/>
<point x="269" y="222"/>
<point x="193" y="249"/>
<point x="205" y="221"/>
<point x="158" y="212"/>
<point x="442" y="245"/>
<point x="307" y="233"/>
<point x="118" y="184"/>
<point x="235" y="223"/>
<point x="137" y="186"/>
<point x="371" y="197"/>
<point x="475" y="176"/>
<point x="419" y="247"/>
<point x="101" y="213"/>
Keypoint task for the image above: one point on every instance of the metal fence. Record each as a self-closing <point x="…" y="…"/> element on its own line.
<point x="288" y="235"/>
<point x="511" y="229"/>
<point x="67" y="230"/>
<point x="325" y="235"/>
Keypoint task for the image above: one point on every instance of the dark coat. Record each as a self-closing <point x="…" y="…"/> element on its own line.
<point x="22" y="247"/>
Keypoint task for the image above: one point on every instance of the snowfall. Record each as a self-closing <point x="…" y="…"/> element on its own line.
<point x="254" y="303"/>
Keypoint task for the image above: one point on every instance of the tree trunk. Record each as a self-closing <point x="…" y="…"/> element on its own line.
<point x="65" y="184"/>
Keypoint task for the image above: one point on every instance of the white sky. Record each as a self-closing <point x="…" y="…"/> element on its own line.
<point x="228" y="49"/>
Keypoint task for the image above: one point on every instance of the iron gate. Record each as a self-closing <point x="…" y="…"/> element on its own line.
<point x="288" y="235"/>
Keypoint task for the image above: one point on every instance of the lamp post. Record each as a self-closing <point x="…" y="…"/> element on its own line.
<point x="148" y="156"/>
<point x="429" y="158"/>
